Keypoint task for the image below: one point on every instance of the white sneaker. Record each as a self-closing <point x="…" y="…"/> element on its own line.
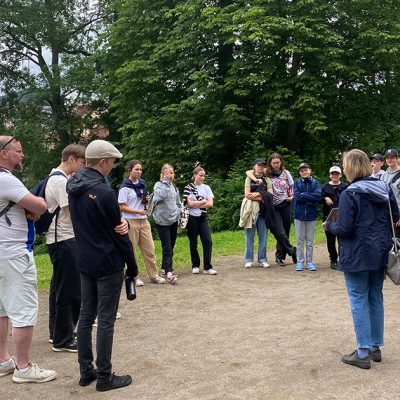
<point x="248" y="265"/>
<point x="34" y="374"/>
<point x="8" y="367"/>
<point x="118" y="316"/>
<point x="265" y="264"/>
<point x="210" y="271"/>
<point x="139" y="282"/>
<point x="195" y="270"/>
<point x="157" y="279"/>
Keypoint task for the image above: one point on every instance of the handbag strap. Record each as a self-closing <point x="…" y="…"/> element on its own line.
<point x="392" y="225"/>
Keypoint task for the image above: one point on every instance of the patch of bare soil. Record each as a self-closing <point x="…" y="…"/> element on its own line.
<point x="244" y="334"/>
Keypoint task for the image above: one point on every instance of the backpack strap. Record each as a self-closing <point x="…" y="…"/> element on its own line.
<point x="7" y="208"/>
<point x="396" y="177"/>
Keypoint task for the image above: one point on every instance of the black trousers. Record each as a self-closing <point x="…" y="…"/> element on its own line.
<point x="167" y="234"/>
<point x="331" y="244"/>
<point x="100" y="297"/>
<point x="198" y="226"/>
<point x="283" y="218"/>
<point x="66" y="291"/>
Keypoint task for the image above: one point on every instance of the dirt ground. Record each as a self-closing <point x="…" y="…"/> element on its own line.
<point x="243" y="334"/>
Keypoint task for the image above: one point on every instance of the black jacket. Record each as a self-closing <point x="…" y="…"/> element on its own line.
<point x="95" y="213"/>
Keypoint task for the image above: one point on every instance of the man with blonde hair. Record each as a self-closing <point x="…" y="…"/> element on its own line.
<point x="18" y="280"/>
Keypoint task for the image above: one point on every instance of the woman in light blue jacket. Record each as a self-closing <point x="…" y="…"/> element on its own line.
<point x="167" y="210"/>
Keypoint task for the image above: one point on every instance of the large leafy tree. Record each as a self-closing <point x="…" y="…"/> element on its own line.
<point x="198" y="81"/>
<point x="47" y="70"/>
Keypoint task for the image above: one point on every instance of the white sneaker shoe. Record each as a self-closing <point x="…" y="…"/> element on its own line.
<point x="210" y="271"/>
<point x="8" y="367"/>
<point x="139" y="282"/>
<point x="34" y="374"/>
<point x="248" y="265"/>
<point x="265" y="264"/>
<point x="118" y="316"/>
<point x="195" y="270"/>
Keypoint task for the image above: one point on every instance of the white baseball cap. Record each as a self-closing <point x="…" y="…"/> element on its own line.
<point x="335" y="169"/>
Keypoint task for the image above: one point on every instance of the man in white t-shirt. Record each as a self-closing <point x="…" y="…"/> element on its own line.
<point x="65" y="287"/>
<point x="18" y="280"/>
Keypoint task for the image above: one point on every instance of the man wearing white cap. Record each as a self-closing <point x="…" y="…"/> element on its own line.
<point x="330" y="199"/>
<point x="101" y="257"/>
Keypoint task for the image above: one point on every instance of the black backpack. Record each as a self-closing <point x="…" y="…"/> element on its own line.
<point x="42" y="225"/>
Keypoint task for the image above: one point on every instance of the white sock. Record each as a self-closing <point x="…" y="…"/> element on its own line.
<point x="5" y="363"/>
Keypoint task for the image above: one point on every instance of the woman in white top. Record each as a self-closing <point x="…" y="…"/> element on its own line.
<point x="132" y="199"/>
<point x="199" y="197"/>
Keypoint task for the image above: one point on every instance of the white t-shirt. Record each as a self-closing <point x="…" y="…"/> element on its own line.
<point x="129" y="197"/>
<point x="204" y="191"/>
<point x="17" y="239"/>
<point x="56" y="195"/>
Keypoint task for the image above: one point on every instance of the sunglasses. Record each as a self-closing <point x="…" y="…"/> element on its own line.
<point x="7" y="143"/>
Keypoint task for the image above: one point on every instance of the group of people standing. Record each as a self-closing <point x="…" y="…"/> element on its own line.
<point x="363" y="227"/>
<point x="91" y="248"/>
<point x="134" y="198"/>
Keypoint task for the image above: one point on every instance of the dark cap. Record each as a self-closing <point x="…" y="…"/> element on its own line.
<point x="377" y="156"/>
<point x="391" y="152"/>
<point x="303" y="165"/>
<point x="259" y="161"/>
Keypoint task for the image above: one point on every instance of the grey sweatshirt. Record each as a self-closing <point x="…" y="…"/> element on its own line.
<point x="387" y="177"/>
<point x="167" y="203"/>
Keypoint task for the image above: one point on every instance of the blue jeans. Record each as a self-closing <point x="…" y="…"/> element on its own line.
<point x="100" y="297"/>
<point x="249" y="233"/>
<point x="366" y="301"/>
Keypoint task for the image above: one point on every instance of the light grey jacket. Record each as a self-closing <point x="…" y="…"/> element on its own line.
<point x="167" y="203"/>
<point x="387" y="177"/>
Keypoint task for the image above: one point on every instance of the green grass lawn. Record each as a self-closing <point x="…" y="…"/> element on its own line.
<point x="224" y="244"/>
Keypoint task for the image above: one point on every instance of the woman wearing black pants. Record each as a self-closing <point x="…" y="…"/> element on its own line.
<point x="199" y="198"/>
<point x="167" y="209"/>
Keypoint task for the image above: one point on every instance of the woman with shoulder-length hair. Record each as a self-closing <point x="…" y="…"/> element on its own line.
<point x="132" y="198"/>
<point x="364" y="231"/>
<point x="282" y="189"/>
<point x="199" y="197"/>
<point x="167" y="210"/>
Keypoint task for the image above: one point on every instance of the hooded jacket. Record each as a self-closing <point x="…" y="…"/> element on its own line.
<point x="363" y="226"/>
<point x="95" y="213"/>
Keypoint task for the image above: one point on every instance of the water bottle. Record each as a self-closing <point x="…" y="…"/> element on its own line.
<point x="130" y="288"/>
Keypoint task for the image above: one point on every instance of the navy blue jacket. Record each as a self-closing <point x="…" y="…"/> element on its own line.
<point x="363" y="226"/>
<point x="306" y="196"/>
<point x="95" y="213"/>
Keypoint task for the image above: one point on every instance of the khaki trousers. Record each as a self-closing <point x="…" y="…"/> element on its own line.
<point x="140" y="236"/>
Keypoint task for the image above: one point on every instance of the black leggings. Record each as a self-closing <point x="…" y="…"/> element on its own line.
<point x="283" y="220"/>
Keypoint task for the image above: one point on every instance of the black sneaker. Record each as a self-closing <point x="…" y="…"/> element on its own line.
<point x="280" y="262"/>
<point x="69" y="348"/>
<point x="376" y="355"/>
<point x="333" y="264"/>
<point x="114" y="382"/>
<point x="294" y="255"/>
<point x="87" y="380"/>
<point x="354" y="359"/>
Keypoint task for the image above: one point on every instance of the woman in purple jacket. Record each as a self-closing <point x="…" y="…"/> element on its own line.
<point x="364" y="231"/>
